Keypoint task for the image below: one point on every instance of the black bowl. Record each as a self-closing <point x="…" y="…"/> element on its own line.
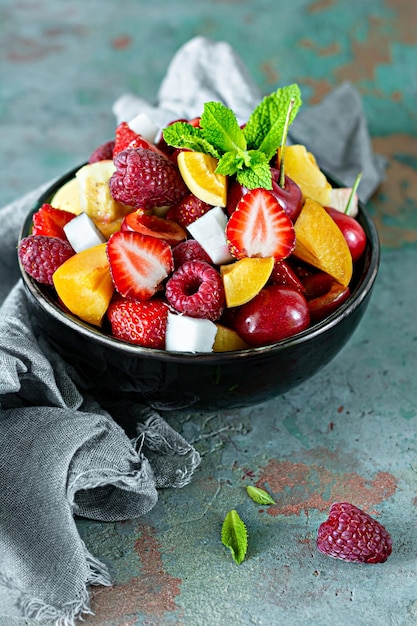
<point x="116" y="369"/>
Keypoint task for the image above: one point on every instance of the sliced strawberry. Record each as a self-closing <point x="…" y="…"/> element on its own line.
<point x="259" y="227"/>
<point x="154" y="226"/>
<point x="188" y="210"/>
<point x="49" y="221"/>
<point x="140" y="323"/>
<point x="125" y="137"/>
<point x="138" y="263"/>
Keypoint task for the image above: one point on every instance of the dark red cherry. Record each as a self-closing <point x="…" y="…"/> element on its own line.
<point x="352" y="231"/>
<point x="275" y="313"/>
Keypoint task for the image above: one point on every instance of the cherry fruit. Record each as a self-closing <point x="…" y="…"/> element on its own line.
<point x="275" y="313"/>
<point x="289" y="196"/>
<point x="352" y="231"/>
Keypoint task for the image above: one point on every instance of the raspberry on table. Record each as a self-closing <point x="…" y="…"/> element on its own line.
<point x="352" y="535"/>
<point x="145" y="179"/>
<point x="41" y="256"/>
<point x="196" y="289"/>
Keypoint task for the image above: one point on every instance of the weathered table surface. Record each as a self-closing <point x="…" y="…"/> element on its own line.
<point x="347" y="434"/>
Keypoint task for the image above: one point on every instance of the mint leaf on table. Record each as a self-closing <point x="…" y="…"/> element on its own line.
<point x="184" y="135"/>
<point x="265" y="126"/>
<point x="235" y="536"/>
<point x="260" y="496"/>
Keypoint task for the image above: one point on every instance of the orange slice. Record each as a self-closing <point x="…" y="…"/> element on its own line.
<point x="227" y="340"/>
<point x="244" y="279"/>
<point x="198" y="172"/>
<point x="301" y="166"/>
<point x="320" y="242"/>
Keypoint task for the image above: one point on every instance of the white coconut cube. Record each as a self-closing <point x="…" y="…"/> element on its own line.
<point x="210" y="232"/>
<point x="144" y="126"/>
<point x="189" y="334"/>
<point x="339" y="197"/>
<point x="82" y="233"/>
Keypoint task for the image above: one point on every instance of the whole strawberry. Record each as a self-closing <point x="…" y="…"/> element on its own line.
<point x="188" y="210"/>
<point x="146" y="179"/>
<point x="140" y="323"/>
<point x="40" y="256"/>
<point x="352" y="535"/>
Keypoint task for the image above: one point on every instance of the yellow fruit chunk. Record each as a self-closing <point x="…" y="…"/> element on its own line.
<point x="95" y="197"/>
<point x="198" y="172"/>
<point x="245" y="278"/>
<point x="320" y="242"/>
<point x="109" y="228"/>
<point x="227" y="340"/>
<point x="84" y="284"/>
<point x="301" y="166"/>
<point x="67" y="198"/>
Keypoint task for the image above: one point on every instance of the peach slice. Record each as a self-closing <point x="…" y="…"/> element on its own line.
<point x="320" y="242"/>
<point x="244" y="279"/>
<point x="95" y="197"/>
<point x="301" y="166"/>
<point x="84" y="284"/>
<point x="227" y="340"/>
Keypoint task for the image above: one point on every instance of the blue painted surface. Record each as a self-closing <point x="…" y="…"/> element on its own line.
<point x="349" y="433"/>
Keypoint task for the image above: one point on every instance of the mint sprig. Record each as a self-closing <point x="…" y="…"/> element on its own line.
<point x="266" y="124"/>
<point x="245" y="152"/>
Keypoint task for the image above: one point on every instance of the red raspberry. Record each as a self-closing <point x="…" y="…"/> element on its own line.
<point x="188" y="210"/>
<point x="146" y="179"/>
<point x="103" y="152"/>
<point x="196" y="289"/>
<point x="352" y="535"/>
<point x="140" y="323"/>
<point x="189" y="250"/>
<point x="40" y="256"/>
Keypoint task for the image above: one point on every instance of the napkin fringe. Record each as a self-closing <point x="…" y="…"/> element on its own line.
<point x="157" y="436"/>
<point x="69" y="612"/>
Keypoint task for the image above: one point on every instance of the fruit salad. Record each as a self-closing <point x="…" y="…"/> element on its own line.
<point x="204" y="236"/>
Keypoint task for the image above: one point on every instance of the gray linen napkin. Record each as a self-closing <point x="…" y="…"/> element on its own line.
<point x="62" y="454"/>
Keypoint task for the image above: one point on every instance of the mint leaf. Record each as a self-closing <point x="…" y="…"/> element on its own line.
<point x="227" y="164"/>
<point x="235" y="536"/>
<point x="265" y="126"/>
<point x="258" y="174"/>
<point x="184" y="135"/>
<point x="221" y="129"/>
<point x="259" y="495"/>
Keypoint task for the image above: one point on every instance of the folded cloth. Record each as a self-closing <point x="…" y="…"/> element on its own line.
<point x="62" y="454"/>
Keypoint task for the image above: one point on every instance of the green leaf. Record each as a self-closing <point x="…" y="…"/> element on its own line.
<point x="221" y="129"/>
<point x="184" y="135"/>
<point x="266" y="124"/>
<point x="227" y="164"/>
<point x="258" y="174"/>
<point x="259" y="495"/>
<point x="235" y="536"/>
